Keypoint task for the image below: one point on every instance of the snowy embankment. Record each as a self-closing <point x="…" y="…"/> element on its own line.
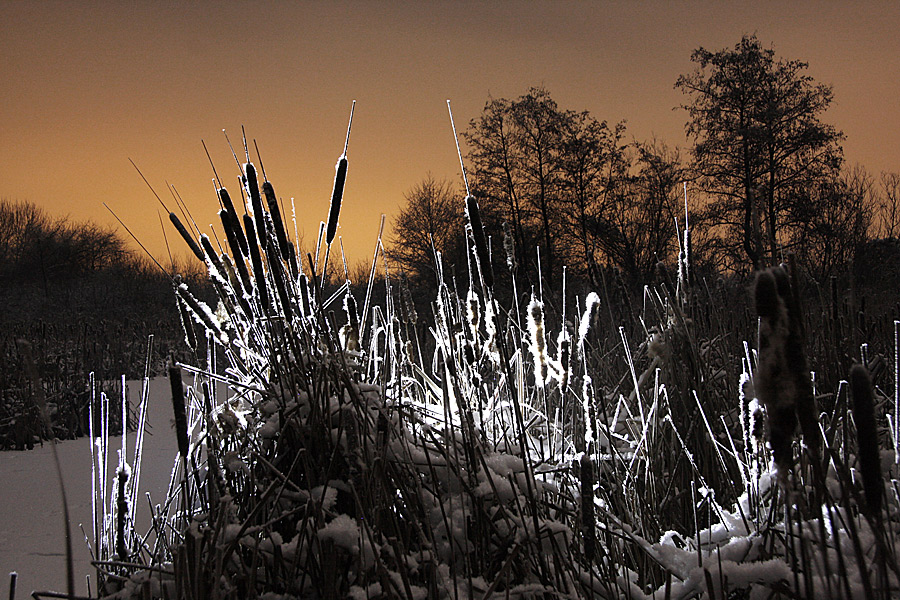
<point x="32" y="538"/>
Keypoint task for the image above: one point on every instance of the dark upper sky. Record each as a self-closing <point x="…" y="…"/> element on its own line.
<point x="88" y="85"/>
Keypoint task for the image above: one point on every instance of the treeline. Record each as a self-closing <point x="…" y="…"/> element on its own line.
<point x="85" y="303"/>
<point x="764" y="178"/>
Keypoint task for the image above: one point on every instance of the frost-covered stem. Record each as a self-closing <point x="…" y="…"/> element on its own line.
<point x="897" y="392"/>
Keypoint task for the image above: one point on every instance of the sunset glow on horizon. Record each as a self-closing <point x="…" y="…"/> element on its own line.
<point x="90" y="86"/>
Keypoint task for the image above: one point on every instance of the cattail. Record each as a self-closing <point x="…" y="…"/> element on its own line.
<point x="252" y="185"/>
<point x="275" y="213"/>
<point x="867" y="437"/>
<point x="201" y="312"/>
<point x="121" y="509"/>
<point x="481" y="249"/>
<point x="190" y="336"/>
<point x="187" y="236"/>
<point x="774" y="386"/>
<point x="588" y="317"/>
<point x="538" y="345"/>
<point x="509" y="246"/>
<point x="783" y="378"/>
<point x="276" y="269"/>
<point x="231" y="235"/>
<point x="350" y="331"/>
<point x="292" y="260"/>
<point x="337" y="195"/>
<point x="177" y="386"/>
<point x="255" y="258"/>
<point x="490" y="327"/>
<point x="233" y="222"/>
<point x="303" y="284"/>
<point x="563" y="367"/>
<point x="473" y="313"/>
<point x="212" y="255"/>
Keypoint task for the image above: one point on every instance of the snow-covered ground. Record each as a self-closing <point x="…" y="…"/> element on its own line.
<point x="32" y="538"/>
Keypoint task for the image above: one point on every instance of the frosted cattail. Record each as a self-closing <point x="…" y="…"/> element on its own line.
<point x="509" y="246"/>
<point x="231" y="235"/>
<point x="350" y="331"/>
<point x="213" y="257"/>
<point x="179" y="408"/>
<point x="867" y="437"/>
<point x="537" y="345"/>
<point x="490" y="327"/>
<point x="340" y="178"/>
<point x="275" y="267"/>
<point x="233" y="222"/>
<point x="277" y="221"/>
<point x="256" y="259"/>
<point x="192" y="244"/>
<point x="201" y="312"/>
<point x="473" y="313"/>
<point x="481" y="249"/>
<point x="563" y="368"/>
<point x="303" y="284"/>
<point x="252" y="185"/>
<point x="190" y="336"/>
<point x="292" y="260"/>
<point x="588" y="317"/>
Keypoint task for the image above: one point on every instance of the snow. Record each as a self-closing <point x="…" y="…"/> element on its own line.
<point x="32" y="538"/>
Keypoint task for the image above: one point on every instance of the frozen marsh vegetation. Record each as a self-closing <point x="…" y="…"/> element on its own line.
<point x="366" y="456"/>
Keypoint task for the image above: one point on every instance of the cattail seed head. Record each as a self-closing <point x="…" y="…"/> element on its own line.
<point x="509" y="246"/>
<point x="239" y="255"/>
<point x="186" y="236"/>
<point x="212" y="255"/>
<point x="765" y="294"/>
<point x="256" y="259"/>
<point x="588" y="318"/>
<point x="233" y="222"/>
<point x="537" y="343"/>
<point x="275" y="212"/>
<point x="337" y="195"/>
<point x="178" y="407"/>
<point x="867" y="437"/>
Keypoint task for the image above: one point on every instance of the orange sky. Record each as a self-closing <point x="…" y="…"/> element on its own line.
<point x="86" y="86"/>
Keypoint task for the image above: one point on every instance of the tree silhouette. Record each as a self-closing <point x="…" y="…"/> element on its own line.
<point x="432" y="219"/>
<point x="758" y="144"/>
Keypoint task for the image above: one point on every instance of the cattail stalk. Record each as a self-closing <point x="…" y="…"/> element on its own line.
<point x="178" y="407"/>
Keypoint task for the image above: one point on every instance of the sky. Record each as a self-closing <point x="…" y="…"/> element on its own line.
<point x="88" y="86"/>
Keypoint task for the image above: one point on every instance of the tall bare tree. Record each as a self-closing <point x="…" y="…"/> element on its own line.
<point x="759" y="141"/>
<point x="432" y="219"/>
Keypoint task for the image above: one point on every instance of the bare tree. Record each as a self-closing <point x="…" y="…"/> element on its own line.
<point x="432" y="219"/>
<point x="758" y="144"/>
